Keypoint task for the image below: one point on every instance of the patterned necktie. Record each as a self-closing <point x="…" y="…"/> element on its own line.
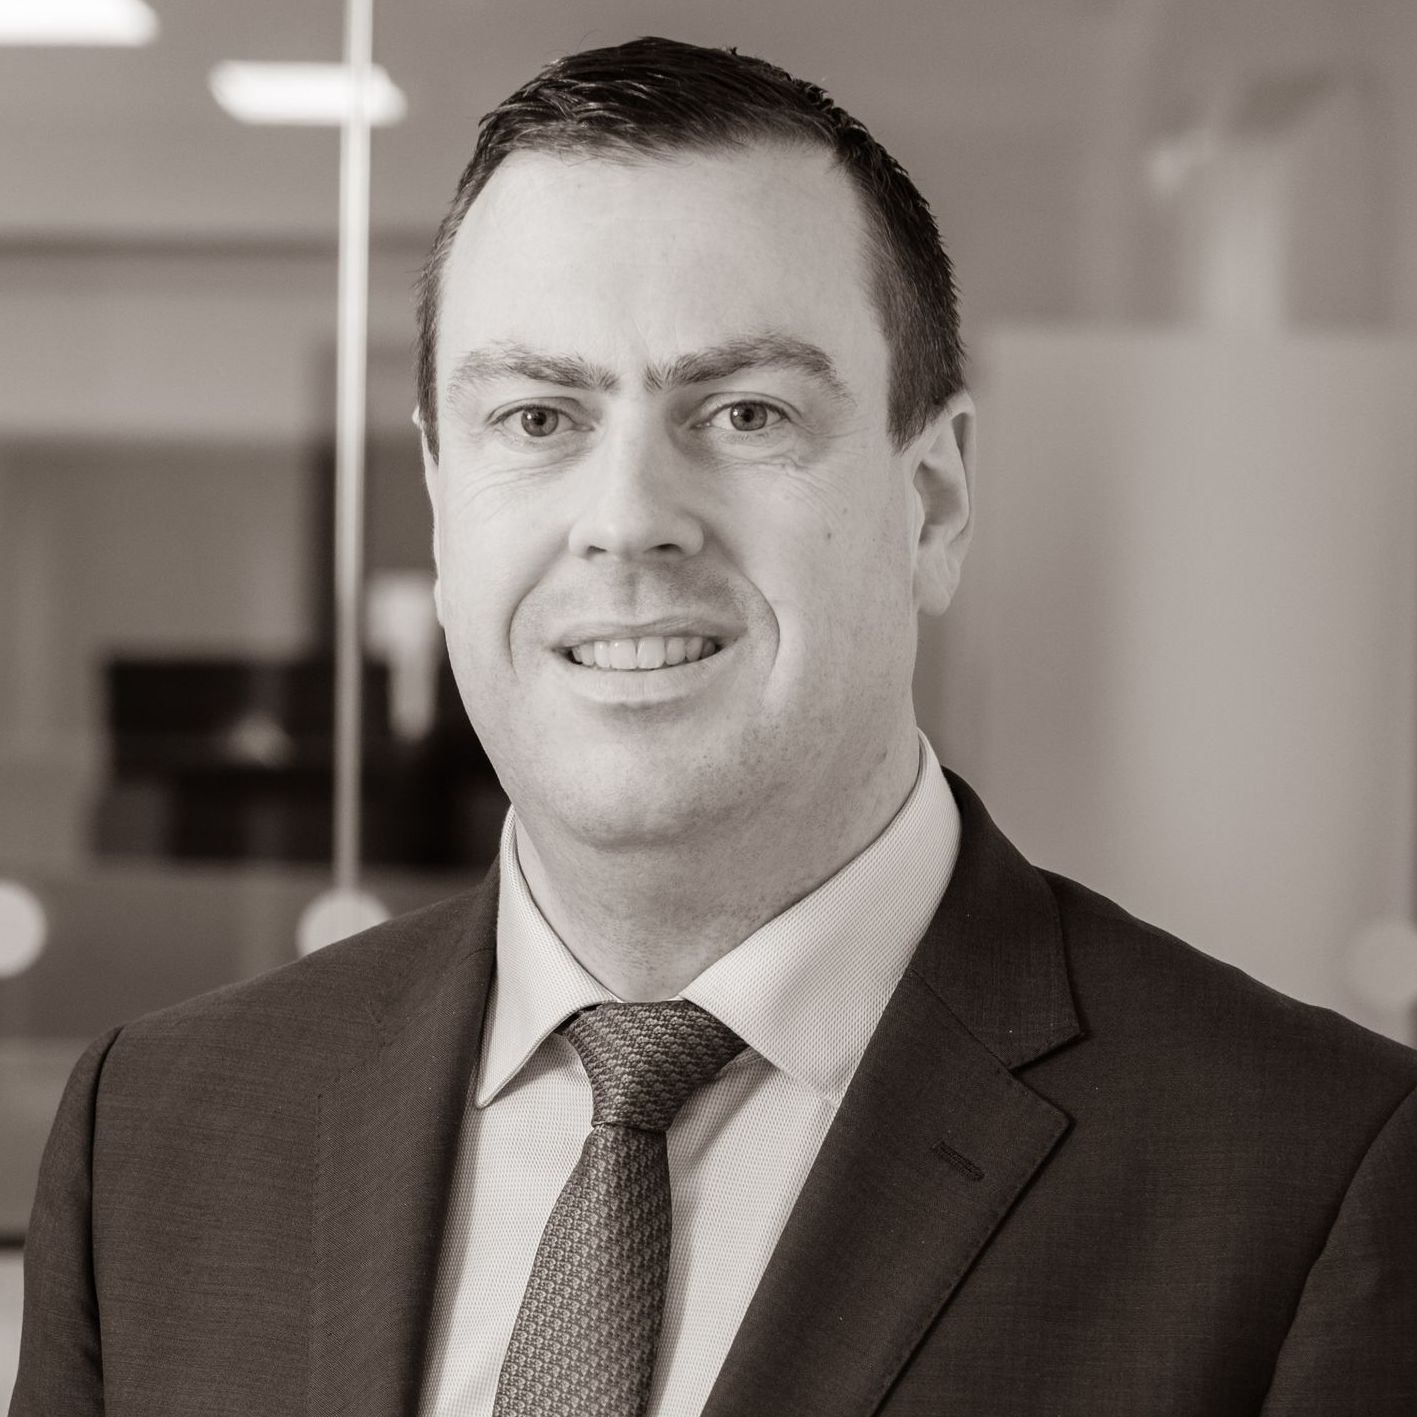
<point x="587" y="1332"/>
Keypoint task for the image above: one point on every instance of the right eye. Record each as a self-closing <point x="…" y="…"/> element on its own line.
<point x="536" y="420"/>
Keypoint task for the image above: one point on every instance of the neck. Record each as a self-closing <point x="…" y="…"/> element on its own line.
<point x="645" y="923"/>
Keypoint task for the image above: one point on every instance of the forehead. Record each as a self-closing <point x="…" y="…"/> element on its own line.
<point x="647" y="258"/>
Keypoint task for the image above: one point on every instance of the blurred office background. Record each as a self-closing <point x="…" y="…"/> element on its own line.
<point x="1184" y="662"/>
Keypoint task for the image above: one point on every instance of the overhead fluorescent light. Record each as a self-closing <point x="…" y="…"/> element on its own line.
<point x="321" y="94"/>
<point x="76" y="22"/>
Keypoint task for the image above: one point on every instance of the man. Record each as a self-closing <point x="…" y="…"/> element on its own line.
<point x="763" y="1076"/>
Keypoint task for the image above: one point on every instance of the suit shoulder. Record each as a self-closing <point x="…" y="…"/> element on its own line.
<point x="317" y="1011"/>
<point x="1194" y="1013"/>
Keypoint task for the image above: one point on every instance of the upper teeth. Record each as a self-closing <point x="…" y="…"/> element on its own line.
<point x="646" y="652"/>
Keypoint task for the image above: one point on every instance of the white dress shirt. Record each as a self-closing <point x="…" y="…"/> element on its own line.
<point x="805" y="992"/>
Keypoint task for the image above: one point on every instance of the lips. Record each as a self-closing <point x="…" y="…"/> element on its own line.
<point x="642" y="652"/>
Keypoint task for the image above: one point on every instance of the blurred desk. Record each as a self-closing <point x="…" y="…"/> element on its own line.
<point x="231" y="759"/>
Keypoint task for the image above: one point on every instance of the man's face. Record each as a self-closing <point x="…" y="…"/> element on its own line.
<point x="662" y="392"/>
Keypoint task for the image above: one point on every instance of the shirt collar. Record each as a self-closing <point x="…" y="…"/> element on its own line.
<point x="805" y="991"/>
<point x="538" y="983"/>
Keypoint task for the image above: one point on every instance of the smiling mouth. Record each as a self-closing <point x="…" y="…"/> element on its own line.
<point x="645" y="652"/>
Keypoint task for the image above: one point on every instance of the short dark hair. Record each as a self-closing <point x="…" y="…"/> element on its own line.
<point x="656" y="96"/>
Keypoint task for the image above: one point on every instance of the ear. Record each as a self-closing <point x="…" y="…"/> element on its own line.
<point x="430" y="481"/>
<point x="943" y="473"/>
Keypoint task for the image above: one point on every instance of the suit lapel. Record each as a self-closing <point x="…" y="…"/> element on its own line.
<point x="387" y="1143"/>
<point x="934" y="1141"/>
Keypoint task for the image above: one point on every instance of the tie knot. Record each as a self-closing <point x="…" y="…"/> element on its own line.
<point x="644" y="1060"/>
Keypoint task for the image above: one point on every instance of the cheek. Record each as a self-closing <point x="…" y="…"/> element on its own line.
<point x="838" y="581"/>
<point x="834" y="535"/>
<point x="487" y="567"/>
<point x="808" y="571"/>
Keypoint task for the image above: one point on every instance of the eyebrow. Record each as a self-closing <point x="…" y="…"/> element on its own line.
<point x="515" y="361"/>
<point x="721" y="361"/>
<point x="768" y="351"/>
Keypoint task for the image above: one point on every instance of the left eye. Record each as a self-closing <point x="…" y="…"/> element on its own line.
<point x="748" y="416"/>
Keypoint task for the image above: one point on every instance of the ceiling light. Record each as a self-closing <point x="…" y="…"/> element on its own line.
<point x="302" y="93"/>
<point x="76" y="22"/>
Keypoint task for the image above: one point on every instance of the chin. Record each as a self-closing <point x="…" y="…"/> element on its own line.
<point x="638" y="805"/>
<point x="626" y="824"/>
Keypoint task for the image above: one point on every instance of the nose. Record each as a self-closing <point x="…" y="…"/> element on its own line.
<point x="633" y="502"/>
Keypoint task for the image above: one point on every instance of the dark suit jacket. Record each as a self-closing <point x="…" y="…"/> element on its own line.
<point x="1081" y="1170"/>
